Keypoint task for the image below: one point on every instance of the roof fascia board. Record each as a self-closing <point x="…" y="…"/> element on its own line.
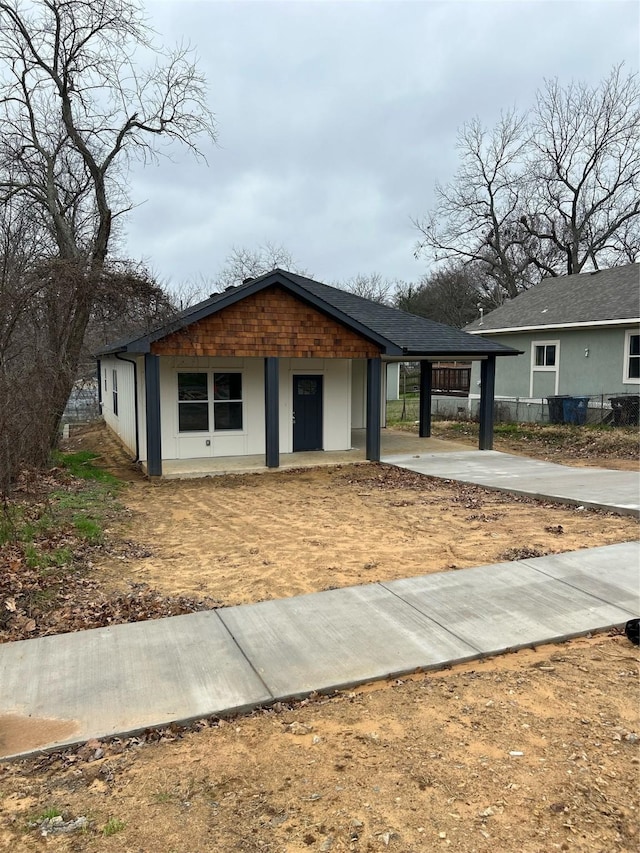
<point x="554" y="326"/>
<point x="460" y="355"/>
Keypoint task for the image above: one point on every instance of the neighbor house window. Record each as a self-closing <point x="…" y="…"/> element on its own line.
<point x="114" y="382"/>
<point x="193" y="402"/>
<point x="545" y="358"/>
<point x="105" y="379"/>
<point x="632" y="357"/>
<point x="545" y="355"/>
<point x="227" y="401"/>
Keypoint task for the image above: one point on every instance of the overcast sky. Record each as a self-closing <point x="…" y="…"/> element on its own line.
<point x="335" y="119"/>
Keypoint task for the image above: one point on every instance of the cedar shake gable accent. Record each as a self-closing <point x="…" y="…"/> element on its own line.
<point x="268" y="323"/>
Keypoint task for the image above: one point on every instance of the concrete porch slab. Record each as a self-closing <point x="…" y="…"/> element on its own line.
<point x="392" y="442"/>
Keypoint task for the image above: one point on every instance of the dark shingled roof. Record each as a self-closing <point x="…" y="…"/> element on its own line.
<point x="398" y="333"/>
<point x="585" y="298"/>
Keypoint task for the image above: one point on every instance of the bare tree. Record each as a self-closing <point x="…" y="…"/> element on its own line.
<point x="242" y="263"/>
<point x="129" y="301"/>
<point x="75" y="109"/>
<point x="584" y="168"/>
<point x="476" y="217"/>
<point x="545" y="193"/>
<point x="374" y="287"/>
<point x="451" y="295"/>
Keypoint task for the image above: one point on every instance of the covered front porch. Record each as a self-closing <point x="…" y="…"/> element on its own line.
<point x="392" y="442"/>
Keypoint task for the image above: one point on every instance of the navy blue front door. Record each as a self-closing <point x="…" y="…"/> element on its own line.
<point x="307" y="413"/>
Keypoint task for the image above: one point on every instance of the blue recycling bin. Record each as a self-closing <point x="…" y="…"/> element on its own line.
<point x="574" y="410"/>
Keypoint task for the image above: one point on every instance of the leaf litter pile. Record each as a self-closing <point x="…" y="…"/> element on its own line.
<point x="46" y="580"/>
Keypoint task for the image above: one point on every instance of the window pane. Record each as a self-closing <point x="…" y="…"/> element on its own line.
<point x="227" y="415"/>
<point x="227" y="386"/>
<point x="634" y="368"/>
<point x="551" y="355"/>
<point x="634" y="344"/>
<point x="539" y="356"/>
<point x="307" y="387"/>
<point x="115" y="379"/>
<point x="192" y="386"/>
<point x="193" y="417"/>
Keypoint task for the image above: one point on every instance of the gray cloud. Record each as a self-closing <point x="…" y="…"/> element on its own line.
<point x="336" y="119"/>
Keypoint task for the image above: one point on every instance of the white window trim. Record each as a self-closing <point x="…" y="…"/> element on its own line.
<point x="627" y="355"/>
<point x="538" y="369"/>
<point x="209" y="371"/>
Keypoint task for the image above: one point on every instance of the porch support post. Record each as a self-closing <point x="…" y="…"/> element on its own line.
<point x="374" y="407"/>
<point x="272" y="411"/>
<point x="425" y="399"/>
<point x="487" y="392"/>
<point x="152" y="408"/>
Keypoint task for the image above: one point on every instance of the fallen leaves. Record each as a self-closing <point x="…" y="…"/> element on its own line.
<point x="42" y="596"/>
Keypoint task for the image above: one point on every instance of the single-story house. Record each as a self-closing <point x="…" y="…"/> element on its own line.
<point x="579" y="334"/>
<point x="279" y="364"/>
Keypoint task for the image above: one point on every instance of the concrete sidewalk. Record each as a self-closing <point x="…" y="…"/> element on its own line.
<point x="123" y="679"/>
<point x="600" y="488"/>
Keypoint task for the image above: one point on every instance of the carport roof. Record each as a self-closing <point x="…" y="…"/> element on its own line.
<point x="397" y="333"/>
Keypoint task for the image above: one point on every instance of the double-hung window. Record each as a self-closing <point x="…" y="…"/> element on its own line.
<point x="197" y="405"/>
<point x="632" y="357"/>
<point x="227" y="401"/>
<point x="545" y="355"/>
<point x="193" y="402"/>
<point x="545" y="363"/>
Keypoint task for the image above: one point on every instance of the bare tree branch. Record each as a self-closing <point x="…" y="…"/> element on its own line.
<point x="548" y="192"/>
<point x="76" y="107"/>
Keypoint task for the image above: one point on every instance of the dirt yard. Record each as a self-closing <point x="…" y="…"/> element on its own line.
<point x="531" y="752"/>
<point x="245" y="538"/>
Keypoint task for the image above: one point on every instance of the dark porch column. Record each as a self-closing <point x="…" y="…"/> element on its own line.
<point x="152" y="407"/>
<point x="272" y="411"/>
<point x="487" y="392"/>
<point x="374" y="407"/>
<point x="425" y="399"/>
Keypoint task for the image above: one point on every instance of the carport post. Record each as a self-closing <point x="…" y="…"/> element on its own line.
<point x="374" y="406"/>
<point x="272" y="411"/>
<point x="152" y="408"/>
<point x="424" y="430"/>
<point x="487" y="391"/>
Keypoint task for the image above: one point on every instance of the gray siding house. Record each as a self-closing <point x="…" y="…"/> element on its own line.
<point x="579" y="335"/>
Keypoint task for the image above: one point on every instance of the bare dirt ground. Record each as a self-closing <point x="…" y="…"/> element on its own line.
<point x="534" y="752"/>
<point x="530" y="752"/>
<point x="245" y="538"/>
